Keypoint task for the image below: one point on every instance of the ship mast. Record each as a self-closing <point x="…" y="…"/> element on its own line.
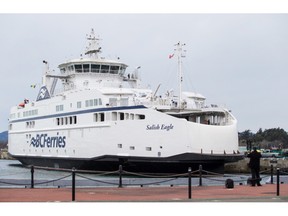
<point x="180" y="54"/>
<point x="93" y="47"/>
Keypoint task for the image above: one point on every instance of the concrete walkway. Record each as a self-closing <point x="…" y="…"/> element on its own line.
<point x="241" y="193"/>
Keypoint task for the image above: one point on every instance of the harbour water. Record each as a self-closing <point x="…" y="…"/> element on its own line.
<point x="13" y="174"/>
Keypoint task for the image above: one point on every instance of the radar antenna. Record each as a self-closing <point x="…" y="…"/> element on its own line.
<point x="180" y="53"/>
<point x="93" y="47"/>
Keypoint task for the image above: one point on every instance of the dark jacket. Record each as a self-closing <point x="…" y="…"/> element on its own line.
<point x="254" y="159"/>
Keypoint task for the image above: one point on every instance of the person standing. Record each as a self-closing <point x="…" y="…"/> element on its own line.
<point x="254" y="165"/>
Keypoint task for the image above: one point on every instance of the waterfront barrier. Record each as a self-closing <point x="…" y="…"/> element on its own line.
<point x="201" y="174"/>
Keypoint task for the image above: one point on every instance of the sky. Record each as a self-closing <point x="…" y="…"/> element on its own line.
<point x="237" y="60"/>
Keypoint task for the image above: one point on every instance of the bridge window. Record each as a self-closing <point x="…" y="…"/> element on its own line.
<point x="78" y="68"/>
<point x="71" y="68"/>
<point x="114" y="69"/>
<point x="86" y="68"/>
<point x="122" y="70"/>
<point x="95" y="68"/>
<point x="104" y="68"/>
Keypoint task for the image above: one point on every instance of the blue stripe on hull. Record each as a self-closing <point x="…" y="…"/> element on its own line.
<point x="105" y="109"/>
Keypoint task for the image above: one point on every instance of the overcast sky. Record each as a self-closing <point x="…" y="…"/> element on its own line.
<point x="240" y="60"/>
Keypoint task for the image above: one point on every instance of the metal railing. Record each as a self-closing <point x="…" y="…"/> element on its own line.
<point x="156" y="179"/>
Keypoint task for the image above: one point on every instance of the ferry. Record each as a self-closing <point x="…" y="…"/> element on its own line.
<point x="102" y="117"/>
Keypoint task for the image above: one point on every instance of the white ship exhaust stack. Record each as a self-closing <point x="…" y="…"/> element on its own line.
<point x="44" y="92"/>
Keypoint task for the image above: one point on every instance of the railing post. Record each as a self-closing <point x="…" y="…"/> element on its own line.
<point x="278" y="182"/>
<point x="73" y="184"/>
<point x="200" y="175"/>
<point x="120" y="176"/>
<point x="189" y="183"/>
<point x="32" y="176"/>
<point x="271" y="181"/>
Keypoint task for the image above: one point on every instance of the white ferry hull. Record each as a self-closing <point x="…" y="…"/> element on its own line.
<point x="160" y="143"/>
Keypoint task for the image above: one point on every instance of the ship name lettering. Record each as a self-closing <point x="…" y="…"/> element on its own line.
<point x="160" y="127"/>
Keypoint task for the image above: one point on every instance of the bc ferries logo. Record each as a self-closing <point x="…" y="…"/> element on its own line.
<point x="43" y="140"/>
<point x="160" y="127"/>
<point x="43" y="94"/>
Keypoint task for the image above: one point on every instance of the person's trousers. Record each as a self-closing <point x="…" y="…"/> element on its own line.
<point x="255" y="176"/>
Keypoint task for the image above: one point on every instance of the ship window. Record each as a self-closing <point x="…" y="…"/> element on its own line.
<point x="121" y="115"/>
<point x="122" y="70"/>
<point x="124" y="102"/>
<point x="126" y="116"/>
<point x="79" y="104"/>
<point x="95" y="102"/>
<point x="62" y="70"/>
<point x="119" y="145"/>
<point x="30" y="124"/>
<point x="59" y="108"/>
<point x="86" y="68"/>
<point x="132" y="116"/>
<point x="114" y="69"/>
<point x="78" y="68"/>
<point x="91" y="102"/>
<point x="114" y="116"/>
<point x="141" y="117"/>
<point x="71" y="68"/>
<point x="148" y="148"/>
<point x="99" y="117"/>
<point x="102" y="117"/>
<point x="132" y="147"/>
<point x="104" y="68"/>
<point x="113" y="101"/>
<point x="63" y="121"/>
<point x="95" y="68"/>
<point x="100" y="101"/>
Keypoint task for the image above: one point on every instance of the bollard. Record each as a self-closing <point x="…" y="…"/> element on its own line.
<point x="278" y="180"/>
<point x="189" y="183"/>
<point x="32" y="176"/>
<point x="200" y="175"/>
<point x="271" y="181"/>
<point x="120" y="176"/>
<point x="73" y="184"/>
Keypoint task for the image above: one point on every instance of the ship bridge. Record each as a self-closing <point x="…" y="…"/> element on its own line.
<point x="93" y="71"/>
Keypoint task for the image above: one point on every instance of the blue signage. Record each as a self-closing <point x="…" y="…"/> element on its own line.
<point x="43" y="140"/>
